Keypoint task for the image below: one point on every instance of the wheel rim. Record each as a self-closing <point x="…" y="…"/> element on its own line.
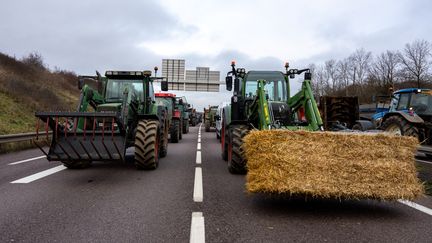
<point x="394" y="129"/>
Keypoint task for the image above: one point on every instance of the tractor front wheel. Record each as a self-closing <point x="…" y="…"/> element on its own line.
<point x="146" y="145"/>
<point x="236" y="157"/>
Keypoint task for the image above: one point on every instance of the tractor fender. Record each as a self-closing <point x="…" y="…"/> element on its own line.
<point x="410" y="118"/>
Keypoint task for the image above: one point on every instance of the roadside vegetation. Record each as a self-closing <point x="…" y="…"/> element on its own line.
<point x="28" y="85"/>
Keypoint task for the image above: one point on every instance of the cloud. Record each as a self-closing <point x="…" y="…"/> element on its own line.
<point x="134" y="35"/>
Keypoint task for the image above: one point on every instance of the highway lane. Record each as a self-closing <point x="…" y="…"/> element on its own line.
<point x="108" y="202"/>
<point x="112" y="202"/>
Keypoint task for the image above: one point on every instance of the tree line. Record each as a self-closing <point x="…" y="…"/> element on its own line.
<point x="366" y="75"/>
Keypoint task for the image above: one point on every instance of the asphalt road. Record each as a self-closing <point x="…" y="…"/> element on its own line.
<point x="112" y="202"/>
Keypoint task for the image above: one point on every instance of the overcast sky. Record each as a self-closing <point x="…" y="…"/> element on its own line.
<point x="83" y="36"/>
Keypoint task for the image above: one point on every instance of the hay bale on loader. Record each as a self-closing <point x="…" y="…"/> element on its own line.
<point x="332" y="165"/>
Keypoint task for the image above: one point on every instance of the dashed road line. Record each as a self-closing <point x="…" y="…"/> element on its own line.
<point x="198" y="157"/>
<point x="40" y="175"/>
<point x="199" y="146"/>
<point x="417" y="206"/>
<point x="198" y="186"/>
<point x="197" y="234"/>
<point x="199" y="140"/>
<point x="27" y="160"/>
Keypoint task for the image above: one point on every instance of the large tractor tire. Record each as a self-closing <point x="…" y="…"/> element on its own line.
<point x="163" y="151"/>
<point x="236" y="157"/>
<point x="76" y="164"/>
<point x="181" y="130"/>
<point x="400" y="126"/>
<point x="147" y="140"/>
<point x="185" y="128"/>
<point x="175" y="131"/>
<point x="224" y="142"/>
<point x="207" y="126"/>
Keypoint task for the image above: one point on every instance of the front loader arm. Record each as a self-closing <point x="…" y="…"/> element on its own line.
<point x="88" y="97"/>
<point x="305" y="99"/>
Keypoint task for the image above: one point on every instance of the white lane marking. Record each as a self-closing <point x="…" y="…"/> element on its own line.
<point x="27" y="160"/>
<point x="197" y="234"/>
<point x="198" y="157"/>
<point x="199" y="140"/>
<point x="199" y="146"/>
<point x="198" y="186"/>
<point x="417" y="206"/>
<point x="422" y="161"/>
<point x="41" y="174"/>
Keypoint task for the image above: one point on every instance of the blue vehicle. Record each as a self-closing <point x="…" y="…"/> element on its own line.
<point x="410" y="114"/>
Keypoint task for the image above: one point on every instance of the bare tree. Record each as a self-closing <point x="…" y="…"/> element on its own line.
<point x="415" y="58"/>
<point x="331" y="72"/>
<point x="34" y="59"/>
<point x="360" y="62"/>
<point x="385" y="68"/>
<point x="343" y="73"/>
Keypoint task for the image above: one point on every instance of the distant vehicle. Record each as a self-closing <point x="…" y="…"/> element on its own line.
<point x="410" y="114"/>
<point x="219" y="118"/>
<point x="210" y="116"/>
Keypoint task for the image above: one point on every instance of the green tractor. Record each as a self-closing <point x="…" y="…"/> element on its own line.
<point x="210" y="116"/>
<point x="168" y="100"/>
<point x="261" y="100"/>
<point x="118" y="114"/>
<point x="183" y="107"/>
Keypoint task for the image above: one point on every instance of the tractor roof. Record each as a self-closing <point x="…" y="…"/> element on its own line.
<point x="267" y="75"/>
<point x="410" y="90"/>
<point x="165" y="95"/>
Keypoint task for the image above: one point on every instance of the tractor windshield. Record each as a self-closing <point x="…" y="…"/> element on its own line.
<point x="116" y="87"/>
<point x="422" y="103"/>
<point x="275" y="87"/>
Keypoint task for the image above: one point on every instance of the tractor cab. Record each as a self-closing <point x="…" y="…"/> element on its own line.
<point x="413" y="100"/>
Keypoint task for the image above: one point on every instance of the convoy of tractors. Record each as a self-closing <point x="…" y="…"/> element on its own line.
<point x="122" y="110"/>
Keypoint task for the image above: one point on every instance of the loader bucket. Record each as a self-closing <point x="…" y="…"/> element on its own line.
<point x="100" y="138"/>
<point x="332" y="165"/>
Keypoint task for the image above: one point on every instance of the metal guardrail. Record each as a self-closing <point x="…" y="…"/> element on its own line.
<point x="10" y="138"/>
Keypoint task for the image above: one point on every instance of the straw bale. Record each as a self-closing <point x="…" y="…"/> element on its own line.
<point x="332" y="165"/>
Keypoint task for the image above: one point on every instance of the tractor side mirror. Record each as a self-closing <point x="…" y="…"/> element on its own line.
<point x="308" y="76"/>
<point x="164" y="85"/>
<point x="292" y="75"/>
<point x="80" y="83"/>
<point x="228" y="81"/>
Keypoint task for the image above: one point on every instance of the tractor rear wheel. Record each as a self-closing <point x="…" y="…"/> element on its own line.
<point x="146" y="145"/>
<point x="236" y="157"/>
<point x="175" y="131"/>
<point x="164" y="140"/>
<point x="400" y="126"/>
<point x="76" y="164"/>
